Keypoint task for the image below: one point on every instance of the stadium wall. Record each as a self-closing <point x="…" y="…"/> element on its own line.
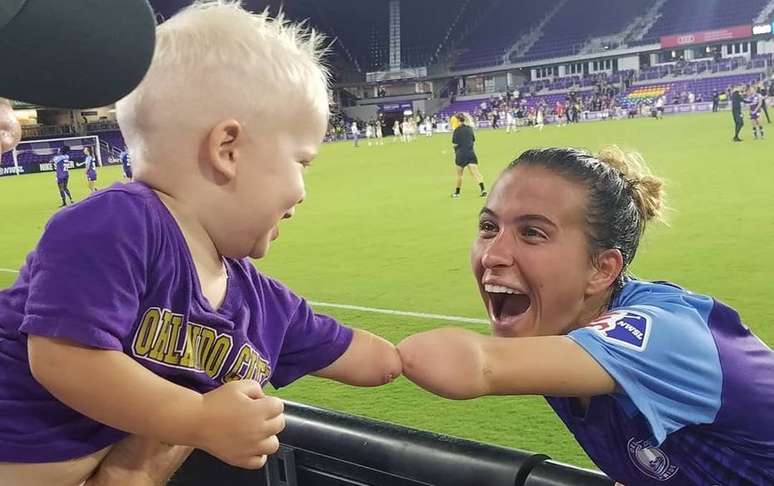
<point x="364" y="112"/>
<point x="766" y="47"/>
<point x="626" y="63"/>
<point x="433" y="105"/>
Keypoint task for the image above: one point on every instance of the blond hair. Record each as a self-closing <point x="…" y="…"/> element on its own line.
<point x="647" y="189"/>
<point x="221" y="61"/>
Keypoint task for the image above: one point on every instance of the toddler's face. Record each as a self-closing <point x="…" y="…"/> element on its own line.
<point x="271" y="182"/>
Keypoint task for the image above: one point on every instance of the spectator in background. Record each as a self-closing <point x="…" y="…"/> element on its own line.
<point x="736" y="112"/>
<point x="659" y="107"/>
<point x="715" y="101"/>
<point x="355" y="132"/>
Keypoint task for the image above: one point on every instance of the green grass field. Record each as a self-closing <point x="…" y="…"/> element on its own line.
<point x="378" y="229"/>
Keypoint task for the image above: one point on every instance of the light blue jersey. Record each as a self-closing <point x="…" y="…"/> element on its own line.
<point x="89" y="161"/>
<point x="695" y="399"/>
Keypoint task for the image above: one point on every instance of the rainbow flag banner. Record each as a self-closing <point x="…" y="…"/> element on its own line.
<point x="644" y="94"/>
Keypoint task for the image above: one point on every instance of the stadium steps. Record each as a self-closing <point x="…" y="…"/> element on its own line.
<point x="765" y="14"/>
<point x="445" y="46"/>
<point x="648" y="21"/>
<point x="523" y="45"/>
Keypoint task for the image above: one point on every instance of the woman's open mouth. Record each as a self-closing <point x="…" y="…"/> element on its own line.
<point x="506" y="306"/>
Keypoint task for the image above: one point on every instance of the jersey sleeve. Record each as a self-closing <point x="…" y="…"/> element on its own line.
<point x="89" y="271"/>
<point x="663" y="358"/>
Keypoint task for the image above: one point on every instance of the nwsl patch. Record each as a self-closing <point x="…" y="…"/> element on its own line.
<point x="628" y="328"/>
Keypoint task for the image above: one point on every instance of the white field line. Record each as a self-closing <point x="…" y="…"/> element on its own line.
<point x="374" y="310"/>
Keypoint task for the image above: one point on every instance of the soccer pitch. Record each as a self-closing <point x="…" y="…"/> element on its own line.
<point x="379" y="230"/>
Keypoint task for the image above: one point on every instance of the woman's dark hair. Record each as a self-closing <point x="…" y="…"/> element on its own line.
<point x="64" y="150"/>
<point x="622" y="195"/>
<point x="91" y="152"/>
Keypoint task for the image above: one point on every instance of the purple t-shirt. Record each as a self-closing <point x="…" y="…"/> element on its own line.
<point x="138" y="293"/>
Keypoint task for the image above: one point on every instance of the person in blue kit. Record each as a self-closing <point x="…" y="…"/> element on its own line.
<point x="756" y="102"/>
<point x="62" y="169"/>
<point x="660" y="386"/>
<point x="126" y="165"/>
<point x="91" y="168"/>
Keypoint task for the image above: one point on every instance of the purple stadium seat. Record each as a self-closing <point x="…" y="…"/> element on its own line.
<point x="684" y="16"/>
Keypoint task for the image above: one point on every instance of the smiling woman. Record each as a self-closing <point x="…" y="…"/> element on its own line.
<point x="566" y="257"/>
<point x="657" y="384"/>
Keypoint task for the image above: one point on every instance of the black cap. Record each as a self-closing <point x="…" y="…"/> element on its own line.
<point x="74" y="53"/>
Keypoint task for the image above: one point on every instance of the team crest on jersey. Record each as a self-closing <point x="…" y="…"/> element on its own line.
<point x="628" y="328"/>
<point x="650" y="460"/>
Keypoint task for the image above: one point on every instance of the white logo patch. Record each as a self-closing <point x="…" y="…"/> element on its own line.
<point x="651" y="460"/>
<point x="627" y="328"/>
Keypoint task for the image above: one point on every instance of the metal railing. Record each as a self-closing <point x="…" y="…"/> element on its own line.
<point x="324" y="448"/>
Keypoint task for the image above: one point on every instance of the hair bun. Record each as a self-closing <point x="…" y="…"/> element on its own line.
<point x="647" y="189"/>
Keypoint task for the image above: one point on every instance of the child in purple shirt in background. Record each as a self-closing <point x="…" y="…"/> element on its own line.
<point x="115" y="362"/>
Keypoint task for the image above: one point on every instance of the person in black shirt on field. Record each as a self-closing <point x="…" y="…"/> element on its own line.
<point x="463" y="139"/>
<point x="736" y="111"/>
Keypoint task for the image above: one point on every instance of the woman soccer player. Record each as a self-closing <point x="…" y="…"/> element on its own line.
<point x="463" y="139"/>
<point x="539" y="118"/>
<point x="379" y="133"/>
<point x="62" y="169"/>
<point x="756" y="105"/>
<point x="396" y="131"/>
<point x="91" y="168"/>
<point x="659" y="385"/>
<point x="126" y="165"/>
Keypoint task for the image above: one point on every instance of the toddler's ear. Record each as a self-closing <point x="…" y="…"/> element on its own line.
<point x="222" y="148"/>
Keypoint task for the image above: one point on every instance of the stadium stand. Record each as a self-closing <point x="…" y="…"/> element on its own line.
<point x="578" y="22"/>
<point x="575" y="23"/>
<point x="682" y="16"/>
<point x="487" y="44"/>
<point x="420" y="39"/>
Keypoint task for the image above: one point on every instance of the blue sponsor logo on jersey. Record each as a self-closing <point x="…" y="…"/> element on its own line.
<point x="627" y="328"/>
